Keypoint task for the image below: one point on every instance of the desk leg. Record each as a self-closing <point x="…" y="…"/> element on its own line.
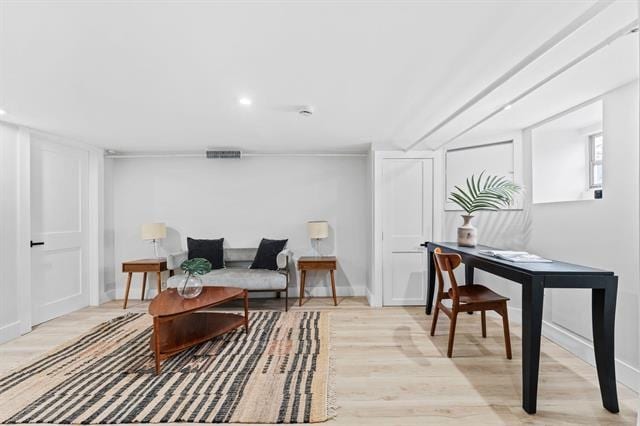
<point x="431" y="282"/>
<point x="603" y="315"/>
<point x="468" y="278"/>
<point x="468" y="274"/>
<point x="532" y="298"/>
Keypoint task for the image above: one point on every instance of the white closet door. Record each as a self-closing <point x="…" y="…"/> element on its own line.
<point x="407" y="221"/>
<point x="59" y="219"/>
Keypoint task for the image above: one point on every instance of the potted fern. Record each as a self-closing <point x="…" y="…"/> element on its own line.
<point x="489" y="193"/>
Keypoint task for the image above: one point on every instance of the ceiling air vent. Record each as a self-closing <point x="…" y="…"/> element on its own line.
<point x="223" y="154"/>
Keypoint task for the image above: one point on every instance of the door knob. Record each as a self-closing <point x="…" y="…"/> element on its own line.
<point x="37" y="243"/>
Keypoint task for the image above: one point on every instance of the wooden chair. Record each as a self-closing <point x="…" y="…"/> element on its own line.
<point x="467" y="298"/>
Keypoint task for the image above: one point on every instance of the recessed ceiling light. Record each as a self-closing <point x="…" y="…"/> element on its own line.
<point x="245" y="101"/>
<point x="2" y="112"/>
<point x="507" y="107"/>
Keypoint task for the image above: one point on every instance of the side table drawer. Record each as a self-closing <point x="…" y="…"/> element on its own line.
<point x="317" y="265"/>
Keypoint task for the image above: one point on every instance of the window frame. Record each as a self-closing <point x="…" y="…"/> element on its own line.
<point x="592" y="161"/>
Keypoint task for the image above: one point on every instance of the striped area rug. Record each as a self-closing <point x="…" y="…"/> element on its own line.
<point x="278" y="373"/>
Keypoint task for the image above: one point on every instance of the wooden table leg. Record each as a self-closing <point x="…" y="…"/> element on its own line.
<point x="246" y="311"/>
<point x="303" y="275"/>
<point x="144" y="285"/>
<point x="156" y="346"/>
<point x="126" y="290"/>
<point x="333" y="288"/>
<point x="159" y="282"/>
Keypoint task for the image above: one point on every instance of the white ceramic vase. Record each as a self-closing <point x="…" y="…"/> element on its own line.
<point x="467" y="233"/>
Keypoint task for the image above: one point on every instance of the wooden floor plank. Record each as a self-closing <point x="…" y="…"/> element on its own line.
<point x="389" y="371"/>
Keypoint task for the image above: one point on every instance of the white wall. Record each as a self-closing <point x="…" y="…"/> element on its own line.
<point x="560" y="159"/>
<point x="601" y="233"/>
<point x="14" y="232"/>
<point x="244" y="201"/>
<point x="110" y="268"/>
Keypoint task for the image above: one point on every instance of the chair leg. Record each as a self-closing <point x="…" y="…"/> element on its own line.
<point x="452" y="333"/>
<point x="286" y="300"/>
<point x="505" y="325"/>
<point x="483" y="316"/>
<point x="436" y="311"/>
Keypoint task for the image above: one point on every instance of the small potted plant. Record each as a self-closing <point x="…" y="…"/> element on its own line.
<point x="490" y="193"/>
<point x="192" y="285"/>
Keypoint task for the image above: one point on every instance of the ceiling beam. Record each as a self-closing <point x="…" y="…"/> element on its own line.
<point x="627" y="29"/>
<point x="578" y="22"/>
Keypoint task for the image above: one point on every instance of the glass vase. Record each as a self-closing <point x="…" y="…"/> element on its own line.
<point x="190" y="287"/>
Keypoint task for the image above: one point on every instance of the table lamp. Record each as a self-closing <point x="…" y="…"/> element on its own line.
<point x="154" y="232"/>
<point x="318" y="230"/>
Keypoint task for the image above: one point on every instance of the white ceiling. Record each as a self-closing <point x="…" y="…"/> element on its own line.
<point x="142" y="76"/>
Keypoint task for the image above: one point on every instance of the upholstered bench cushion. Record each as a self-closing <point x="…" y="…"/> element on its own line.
<point x="250" y="279"/>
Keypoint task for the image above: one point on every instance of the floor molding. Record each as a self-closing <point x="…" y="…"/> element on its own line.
<point x="9" y="331"/>
<point x="626" y="374"/>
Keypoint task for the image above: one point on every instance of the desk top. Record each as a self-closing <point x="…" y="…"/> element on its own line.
<point x="533" y="268"/>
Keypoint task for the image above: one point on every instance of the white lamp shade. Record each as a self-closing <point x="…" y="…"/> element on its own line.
<point x="318" y="229"/>
<point x="154" y="231"/>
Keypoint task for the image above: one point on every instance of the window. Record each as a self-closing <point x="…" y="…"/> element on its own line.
<point x="595" y="160"/>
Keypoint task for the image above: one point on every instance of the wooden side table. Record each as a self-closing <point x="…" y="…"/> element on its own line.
<point x="320" y="263"/>
<point x="145" y="266"/>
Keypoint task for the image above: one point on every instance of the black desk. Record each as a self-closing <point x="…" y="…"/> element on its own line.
<point x="534" y="278"/>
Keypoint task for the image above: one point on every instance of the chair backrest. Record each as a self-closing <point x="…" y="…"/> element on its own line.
<point x="447" y="262"/>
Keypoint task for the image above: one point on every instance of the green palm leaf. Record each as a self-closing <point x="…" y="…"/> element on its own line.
<point x="196" y="266"/>
<point x="485" y="193"/>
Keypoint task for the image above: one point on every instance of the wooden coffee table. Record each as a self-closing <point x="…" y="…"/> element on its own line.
<point x="177" y="324"/>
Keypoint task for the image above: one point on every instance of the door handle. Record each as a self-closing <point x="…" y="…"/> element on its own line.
<point x="37" y="243"/>
<point x="424" y="244"/>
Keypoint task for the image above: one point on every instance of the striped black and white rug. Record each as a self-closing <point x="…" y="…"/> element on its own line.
<point x="278" y="373"/>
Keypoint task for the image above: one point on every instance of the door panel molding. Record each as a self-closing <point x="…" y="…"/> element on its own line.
<point x="375" y="290"/>
<point x="59" y="217"/>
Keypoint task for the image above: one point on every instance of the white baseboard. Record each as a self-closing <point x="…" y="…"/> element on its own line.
<point x="626" y="374"/>
<point x="108" y="295"/>
<point x="9" y="331"/>
<point x="369" y="296"/>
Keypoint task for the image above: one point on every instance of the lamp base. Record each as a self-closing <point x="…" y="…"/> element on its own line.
<point x="315" y="248"/>
<point x="155" y="249"/>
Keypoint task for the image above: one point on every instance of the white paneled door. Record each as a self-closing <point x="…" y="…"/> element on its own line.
<point x="59" y="221"/>
<point x="407" y="221"/>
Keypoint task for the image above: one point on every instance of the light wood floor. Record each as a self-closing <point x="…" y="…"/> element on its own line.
<point x="390" y="372"/>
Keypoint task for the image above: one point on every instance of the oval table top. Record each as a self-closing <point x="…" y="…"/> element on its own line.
<point x="169" y="302"/>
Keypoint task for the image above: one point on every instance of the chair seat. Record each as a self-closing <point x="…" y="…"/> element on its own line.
<point x="477" y="293"/>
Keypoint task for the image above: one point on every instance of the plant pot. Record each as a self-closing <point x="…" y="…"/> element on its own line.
<point x="190" y="287"/>
<point x="467" y="233"/>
